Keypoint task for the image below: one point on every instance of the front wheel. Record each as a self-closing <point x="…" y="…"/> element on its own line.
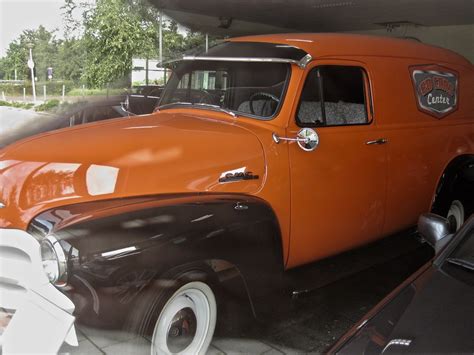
<point x="186" y="322"/>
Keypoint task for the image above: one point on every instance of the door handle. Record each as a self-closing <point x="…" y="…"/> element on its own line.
<point x="377" y="141"/>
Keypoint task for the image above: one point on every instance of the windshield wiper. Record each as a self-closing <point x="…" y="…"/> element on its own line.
<point x="199" y="104"/>
<point x="461" y="262"/>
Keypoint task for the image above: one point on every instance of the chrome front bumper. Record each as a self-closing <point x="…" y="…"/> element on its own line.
<point x="42" y="315"/>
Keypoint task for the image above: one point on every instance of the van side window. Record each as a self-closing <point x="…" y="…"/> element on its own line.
<point x="333" y="95"/>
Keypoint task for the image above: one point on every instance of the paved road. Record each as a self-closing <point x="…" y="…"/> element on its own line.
<point x="11" y="118"/>
<point x="17" y="123"/>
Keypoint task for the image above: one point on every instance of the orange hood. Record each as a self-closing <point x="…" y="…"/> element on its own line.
<point x="161" y="153"/>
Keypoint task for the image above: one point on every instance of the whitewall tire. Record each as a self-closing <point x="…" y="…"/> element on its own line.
<point x="186" y="322"/>
<point x="456" y="214"/>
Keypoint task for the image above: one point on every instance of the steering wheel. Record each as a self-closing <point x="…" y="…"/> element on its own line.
<point x="205" y="97"/>
<point x="262" y="95"/>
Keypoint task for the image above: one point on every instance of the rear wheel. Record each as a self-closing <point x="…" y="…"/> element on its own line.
<point x="456" y="215"/>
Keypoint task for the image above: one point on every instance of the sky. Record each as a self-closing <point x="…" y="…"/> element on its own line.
<point x="19" y="15"/>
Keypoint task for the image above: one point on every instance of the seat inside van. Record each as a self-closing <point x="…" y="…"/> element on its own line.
<point x="337" y="113"/>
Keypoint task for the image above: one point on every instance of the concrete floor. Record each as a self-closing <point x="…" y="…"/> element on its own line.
<point x="307" y="324"/>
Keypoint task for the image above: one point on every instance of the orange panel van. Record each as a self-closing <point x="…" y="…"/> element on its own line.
<point x="263" y="154"/>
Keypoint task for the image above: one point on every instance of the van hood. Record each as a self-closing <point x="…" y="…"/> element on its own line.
<point x="162" y="153"/>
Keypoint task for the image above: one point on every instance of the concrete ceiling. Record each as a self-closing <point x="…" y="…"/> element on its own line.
<point x="237" y="17"/>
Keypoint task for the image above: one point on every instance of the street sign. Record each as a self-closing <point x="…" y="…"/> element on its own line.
<point x="31" y="64"/>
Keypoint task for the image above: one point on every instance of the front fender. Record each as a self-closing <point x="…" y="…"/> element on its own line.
<point x="109" y="243"/>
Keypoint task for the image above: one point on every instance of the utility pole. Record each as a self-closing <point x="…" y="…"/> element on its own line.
<point x="207" y="42"/>
<point x="146" y="71"/>
<point x="160" y="39"/>
<point x="160" y="45"/>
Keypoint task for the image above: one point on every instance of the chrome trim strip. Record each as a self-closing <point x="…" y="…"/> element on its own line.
<point x="302" y="63"/>
<point x="110" y="253"/>
<point x="305" y="61"/>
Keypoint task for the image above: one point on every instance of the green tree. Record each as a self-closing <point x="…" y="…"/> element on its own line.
<point x="173" y="41"/>
<point x="115" y="32"/>
<point x="16" y="58"/>
<point x="45" y="49"/>
<point x="99" y="48"/>
<point x="70" y="60"/>
<point x="196" y="41"/>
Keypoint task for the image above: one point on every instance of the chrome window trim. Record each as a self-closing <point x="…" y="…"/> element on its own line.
<point x="302" y="63"/>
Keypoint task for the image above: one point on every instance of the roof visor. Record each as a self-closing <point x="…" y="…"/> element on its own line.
<point x="254" y="52"/>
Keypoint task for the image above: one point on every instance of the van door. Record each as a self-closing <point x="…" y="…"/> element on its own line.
<point x="338" y="189"/>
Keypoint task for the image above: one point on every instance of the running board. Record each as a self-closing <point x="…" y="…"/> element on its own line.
<point x="308" y="278"/>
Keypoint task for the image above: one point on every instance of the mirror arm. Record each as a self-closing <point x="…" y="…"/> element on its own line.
<point x="277" y="139"/>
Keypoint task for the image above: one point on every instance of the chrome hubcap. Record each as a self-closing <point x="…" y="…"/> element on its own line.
<point x="182" y="330"/>
<point x="456" y="215"/>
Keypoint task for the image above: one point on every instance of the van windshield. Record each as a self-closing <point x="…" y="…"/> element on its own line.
<point x="251" y="89"/>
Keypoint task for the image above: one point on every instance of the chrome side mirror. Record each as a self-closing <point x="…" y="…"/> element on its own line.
<point x="307" y="139"/>
<point x="436" y="230"/>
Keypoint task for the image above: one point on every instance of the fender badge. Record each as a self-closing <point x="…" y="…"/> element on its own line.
<point x="247" y="175"/>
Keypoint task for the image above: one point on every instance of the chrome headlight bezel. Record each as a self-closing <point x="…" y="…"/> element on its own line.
<point x="51" y="242"/>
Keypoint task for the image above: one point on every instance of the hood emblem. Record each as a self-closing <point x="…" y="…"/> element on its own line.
<point x="247" y="175"/>
<point x="2" y="205"/>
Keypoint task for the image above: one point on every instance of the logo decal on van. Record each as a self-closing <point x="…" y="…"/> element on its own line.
<point x="436" y="89"/>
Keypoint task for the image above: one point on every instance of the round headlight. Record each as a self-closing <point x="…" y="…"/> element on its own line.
<point x="54" y="261"/>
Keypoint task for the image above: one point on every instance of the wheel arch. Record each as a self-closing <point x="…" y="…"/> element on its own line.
<point x="460" y="167"/>
<point x="216" y="272"/>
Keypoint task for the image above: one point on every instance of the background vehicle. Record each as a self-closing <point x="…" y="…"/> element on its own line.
<point x="420" y="315"/>
<point x="84" y="112"/>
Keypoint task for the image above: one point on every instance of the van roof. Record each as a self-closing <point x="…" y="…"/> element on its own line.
<point x="321" y="45"/>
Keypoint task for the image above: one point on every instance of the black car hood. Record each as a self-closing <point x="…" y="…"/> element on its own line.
<point x="440" y="317"/>
<point x="432" y="313"/>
